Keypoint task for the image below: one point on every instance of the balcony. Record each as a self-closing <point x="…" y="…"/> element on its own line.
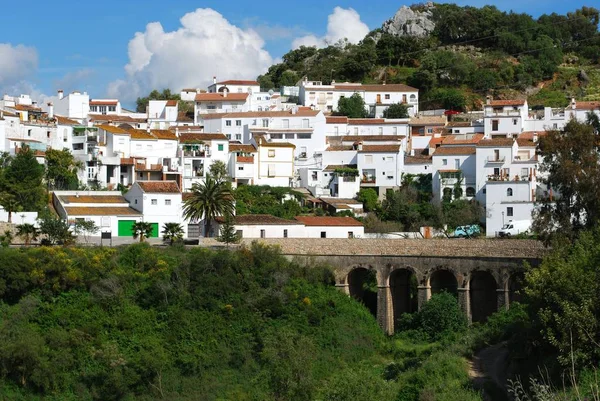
<point x="368" y="177"/>
<point x="521" y="159"/>
<point x="196" y="153"/>
<point x="504" y="178"/>
<point x="495" y="159"/>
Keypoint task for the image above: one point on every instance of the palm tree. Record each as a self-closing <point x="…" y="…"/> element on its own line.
<point x="172" y="232"/>
<point x="142" y="230"/>
<point x="209" y="199"/>
<point x="28" y="232"/>
<point x="10" y="203"/>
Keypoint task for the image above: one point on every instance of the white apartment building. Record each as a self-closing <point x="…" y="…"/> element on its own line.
<point x="162" y="113"/>
<point x="105" y="106"/>
<point x="454" y="167"/>
<point x="220" y="102"/>
<point x="342" y="126"/>
<point x="275" y="163"/>
<point x="75" y="105"/>
<point x="257" y="100"/>
<point x="380" y="166"/>
<point x="197" y="152"/>
<point x="242" y="168"/>
<point x="377" y="97"/>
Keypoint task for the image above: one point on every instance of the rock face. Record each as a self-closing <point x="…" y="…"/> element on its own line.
<point x="408" y="22"/>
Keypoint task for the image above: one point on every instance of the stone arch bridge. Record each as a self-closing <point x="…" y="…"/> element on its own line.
<point x="392" y="277"/>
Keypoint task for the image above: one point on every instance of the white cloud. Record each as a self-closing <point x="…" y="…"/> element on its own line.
<point x="341" y="24"/>
<point x="16" y="63"/>
<point x="74" y="79"/>
<point x="205" y="45"/>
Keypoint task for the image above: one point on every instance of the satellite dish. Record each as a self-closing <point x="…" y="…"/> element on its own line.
<point x="271" y="92"/>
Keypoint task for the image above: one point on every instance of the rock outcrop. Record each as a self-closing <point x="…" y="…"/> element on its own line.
<point x="410" y="22"/>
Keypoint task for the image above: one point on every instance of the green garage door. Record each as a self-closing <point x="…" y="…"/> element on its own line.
<point x="154" y="230"/>
<point x="125" y="228"/>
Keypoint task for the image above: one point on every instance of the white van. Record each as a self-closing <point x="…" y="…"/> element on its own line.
<point x="515" y="228"/>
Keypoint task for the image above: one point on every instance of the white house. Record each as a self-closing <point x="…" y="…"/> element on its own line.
<point x="274" y="163"/>
<point x="197" y="152"/>
<point x="453" y="167"/>
<point x="332" y="227"/>
<point x="502" y="117"/>
<point x="508" y="200"/>
<point x="75" y="105"/>
<point x="220" y="102"/>
<point x="380" y="166"/>
<point x="159" y="202"/>
<point x="242" y="167"/>
<point x="377" y="97"/>
<point x="257" y="100"/>
<point x="265" y="226"/>
<point x="162" y="113"/>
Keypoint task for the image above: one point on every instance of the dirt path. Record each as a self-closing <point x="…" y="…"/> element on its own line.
<point x="488" y="370"/>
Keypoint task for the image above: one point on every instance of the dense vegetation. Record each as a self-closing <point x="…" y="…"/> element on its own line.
<point x="471" y="52"/>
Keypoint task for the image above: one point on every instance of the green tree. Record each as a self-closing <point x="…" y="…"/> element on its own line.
<point x="172" y="233"/>
<point x="571" y="161"/>
<point x="142" y="102"/>
<point x="141" y="230"/>
<point x="28" y="232"/>
<point x="397" y="110"/>
<point x="85" y="228"/>
<point x="228" y="233"/>
<point x="61" y="170"/>
<point x="55" y="230"/>
<point x="208" y="200"/>
<point x="10" y="204"/>
<point x="352" y="107"/>
<point x="288" y="78"/>
<point x="6" y="239"/>
<point x="218" y="171"/>
<point x="369" y="199"/>
<point x="22" y="177"/>
<point x="440" y="316"/>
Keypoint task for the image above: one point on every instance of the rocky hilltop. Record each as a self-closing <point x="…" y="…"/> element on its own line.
<point x="416" y="22"/>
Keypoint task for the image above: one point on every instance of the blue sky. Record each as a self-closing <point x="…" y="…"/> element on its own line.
<point x="84" y="45"/>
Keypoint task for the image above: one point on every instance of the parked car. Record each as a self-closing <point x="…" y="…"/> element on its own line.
<point x="515" y="228"/>
<point x="467" y="231"/>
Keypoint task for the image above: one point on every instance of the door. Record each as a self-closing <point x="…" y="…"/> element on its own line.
<point x="378" y="98"/>
<point x="154" y="233"/>
<point x="125" y="228"/>
<point x="193" y="231"/>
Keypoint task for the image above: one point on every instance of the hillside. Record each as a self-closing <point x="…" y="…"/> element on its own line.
<point x="458" y="55"/>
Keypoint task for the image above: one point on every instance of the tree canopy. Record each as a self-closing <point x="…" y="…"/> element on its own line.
<point x="166" y="94"/>
<point x="352" y="107"/>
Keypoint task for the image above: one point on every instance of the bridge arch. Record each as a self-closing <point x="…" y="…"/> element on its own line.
<point x="363" y="285"/>
<point x="403" y="283"/>
<point x="443" y="279"/>
<point x="483" y="295"/>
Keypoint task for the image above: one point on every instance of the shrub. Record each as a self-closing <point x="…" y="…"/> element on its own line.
<point x="441" y="316"/>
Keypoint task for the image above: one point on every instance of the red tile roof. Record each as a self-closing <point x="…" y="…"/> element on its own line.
<point x="506" y="103"/>
<point x="238" y="147"/>
<point x="329" y="221"/>
<point x="371" y="138"/>
<point x="113" y="130"/>
<point x="103" y="102"/>
<point x="587" y="105"/>
<point x="238" y="82"/>
<point x="60" y="120"/>
<point x="375" y="88"/>
<point x="218" y="97"/>
<point x="457" y="139"/>
<point x="158" y="186"/>
<point x="171" y="103"/>
<point x="380" y="149"/>
<point x="102" y="211"/>
<point x="428" y="120"/>
<point x="138" y="134"/>
<point x="340" y="148"/>
<point x="496" y="142"/>
<point x="336" y="120"/>
<point x="455" y="150"/>
<point x="115" y="118"/>
<point x="93" y="199"/>
<point x="163" y="134"/>
<point x="201" y="137"/>
<point x="417" y="159"/>
<point x="26" y="107"/>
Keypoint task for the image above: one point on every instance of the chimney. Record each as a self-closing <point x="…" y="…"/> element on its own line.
<point x="61" y="94"/>
<point x="177" y="132"/>
<point x="360" y="146"/>
<point x="383" y="82"/>
<point x="50" y="110"/>
<point x="535" y="137"/>
<point x="215" y="80"/>
<point x="488" y="100"/>
<point x="225" y="92"/>
<point x="573" y="103"/>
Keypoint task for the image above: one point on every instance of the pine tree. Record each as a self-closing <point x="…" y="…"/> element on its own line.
<point x="228" y="232"/>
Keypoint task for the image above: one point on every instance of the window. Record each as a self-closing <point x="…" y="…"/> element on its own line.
<point x="395" y="130"/>
<point x="47" y="134"/>
<point x="304" y="136"/>
<point x="403" y="98"/>
<point x="240" y="168"/>
<point x="555" y="126"/>
<point x="314" y="176"/>
<point x="524" y="172"/>
<point x="456" y="164"/>
<point x="271" y="170"/>
<point x="336" y="130"/>
<point x="515" y="121"/>
<point x="380" y="130"/>
<point x="387" y="96"/>
<point x="220" y="147"/>
<point x="509" y="192"/>
<point x="262" y="234"/>
<point x="444" y="162"/>
<point x="28" y="132"/>
<point x="285" y="233"/>
<point x="430" y="130"/>
<point x="509" y="211"/>
<point x="135" y="202"/>
<point x="289" y="136"/>
<point x="350" y="234"/>
<point x="112" y="108"/>
<point x="238" y="123"/>
<point x="323" y="234"/>
<point x="167" y="202"/>
<point x="495" y="125"/>
<point x="265" y="123"/>
<point x="276" y="136"/>
<point x="228" y="123"/>
<point x="154" y="202"/>
<point x="355" y="130"/>
<point x="470" y="192"/>
<point x="271" y="152"/>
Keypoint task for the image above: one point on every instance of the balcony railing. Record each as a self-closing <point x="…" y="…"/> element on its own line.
<point x="196" y="153"/>
<point x="368" y="180"/>
<point x="494" y="178"/>
<point x="518" y="159"/>
<point x="495" y="159"/>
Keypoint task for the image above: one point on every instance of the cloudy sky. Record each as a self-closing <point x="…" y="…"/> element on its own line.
<point x="126" y="48"/>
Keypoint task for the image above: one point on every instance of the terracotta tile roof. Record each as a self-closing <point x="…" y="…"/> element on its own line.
<point x="436" y="141"/>
<point x="238" y="82"/>
<point x="201" y="137"/>
<point x="113" y="130"/>
<point x="9" y="114"/>
<point x="329" y="221"/>
<point x="258" y="219"/>
<point x="458" y="124"/>
<point x="107" y="102"/>
<point x="302" y="112"/>
<point x="263" y="142"/>
<point x="524" y="142"/>
<point x="163" y="134"/>
<point x="158" y="186"/>
<point x="530" y="134"/>
<point x="457" y="139"/>
<point x="340" y="148"/>
<point x="455" y="150"/>
<point x="129" y="161"/>
<point x="25" y="107"/>
<point x="171" y="103"/>
<point x="428" y="120"/>
<point x="333" y="167"/>
<point x="587" y="105"/>
<point x="336" y="120"/>
<point x="238" y="147"/>
<point x="60" y="120"/>
<point x="189" y="90"/>
<point x="417" y="160"/>
<point x="375" y="88"/>
<point x="187" y="128"/>
<point x="102" y="211"/>
<point x="138" y="134"/>
<point x="153" y="167"/>
<point x="380" y="149"/>
<point x="449" y="171"/>
<point x="506" y="103"/>
<point x="218" y="97"/>
<point x="244" y="159"/>
<point x="496" y="142"/>
<point x="93" y="199"/>
<point x="186" y="195"/>
<point x="340" y="201"/>
<point x="366" y="121"/>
